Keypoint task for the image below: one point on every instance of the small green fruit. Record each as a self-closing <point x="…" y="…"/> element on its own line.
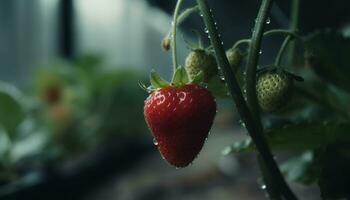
<point x="274" y="90"/>
<point x="200" y="60"/>
<point x="234" y="57"/>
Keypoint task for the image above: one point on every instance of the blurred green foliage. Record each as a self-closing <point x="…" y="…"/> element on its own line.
<point x="70" y="108"/>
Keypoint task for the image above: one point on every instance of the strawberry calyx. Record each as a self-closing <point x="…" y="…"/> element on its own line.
<point x="180" y="78"/>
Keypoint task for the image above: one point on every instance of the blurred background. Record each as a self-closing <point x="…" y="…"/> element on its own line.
<point x="71" y="110"/>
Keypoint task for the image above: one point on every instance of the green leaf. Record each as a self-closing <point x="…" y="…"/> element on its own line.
<point x="157" y="81"/>
<point x="11" y="111"/>
<point x="180" y="76"/>
<point x="300" y="137"/>
<point x="327" y="53"/>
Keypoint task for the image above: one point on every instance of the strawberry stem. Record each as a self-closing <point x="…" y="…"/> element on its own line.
<point x="173" y="34"/>
<point x="282" y="31"/>
<point x="253" y="126"/>
<point x="239" y="42"/>
<point x="294" y="23"/>
<point x="268" y="33"/>
<point x="182" y="17"/>
<point x="282" y="49"/>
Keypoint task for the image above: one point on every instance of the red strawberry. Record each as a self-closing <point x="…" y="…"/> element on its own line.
<point x="180" y="118"/>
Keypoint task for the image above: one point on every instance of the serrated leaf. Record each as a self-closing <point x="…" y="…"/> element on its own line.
<point x="300" y="137"/>
<point x="180" y="76"/>
<point x="327" y="53"/>
<point x="11" y="111"/>
<point x="157" y="81"/>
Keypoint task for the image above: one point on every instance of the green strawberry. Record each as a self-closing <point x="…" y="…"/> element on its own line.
<point x="274" y="90"/>
<point x="234" y="57"/>
<point x="200" y="60"/>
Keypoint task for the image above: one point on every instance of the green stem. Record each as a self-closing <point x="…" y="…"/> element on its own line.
<point x="271" y="187"/>
<point x="252" y="63"/>
<point x="253" y="57"/>
<point x="268" y="33"/>
<point x="239" y="42"/>
<point x="186" y="13"/>
<point x="254" y="127"/>
<point x="294" y="23"/>
<point x="282" y="31"/>
<point x="181" y="18"/>
<point x="173" y="35"/>
<point x="282" y="49"/>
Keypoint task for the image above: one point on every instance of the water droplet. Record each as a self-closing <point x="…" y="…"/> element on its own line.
<point x="268" y="20"/>
<point x="206" y="30"/>
<point x="155" y="141"/>
<point x="260" y="52"/>
<point x="263" y="186"/>
<point x="201" y="15"/>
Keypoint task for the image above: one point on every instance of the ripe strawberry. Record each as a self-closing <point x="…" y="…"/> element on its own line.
<point x="200" y="60"/>
<point x="274" y="90"/>
<point x="180" y="118"/>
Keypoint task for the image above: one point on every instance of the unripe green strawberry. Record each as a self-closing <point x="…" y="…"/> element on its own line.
<point x="200" y="60"/>
<point x="234" y="57"/>
<point x="274" y="90"/>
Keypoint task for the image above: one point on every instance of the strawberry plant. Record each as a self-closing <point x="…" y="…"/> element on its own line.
<point x="308" y="94"/>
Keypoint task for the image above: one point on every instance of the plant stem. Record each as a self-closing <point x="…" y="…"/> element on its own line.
<point x="182" y="17"/>
<point x="280" y="52"/>
<point x="239" y="42"/>
<point x="186" y="13"/>
<point x="293" y="26"/>
<point x="282" y="31"/>
<point x="253" y="57"/>
<point x="173" y="35"/>
<point x="268" y="33"/>
<point x="254" y="127"/>
<point x="271" y="187"/>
